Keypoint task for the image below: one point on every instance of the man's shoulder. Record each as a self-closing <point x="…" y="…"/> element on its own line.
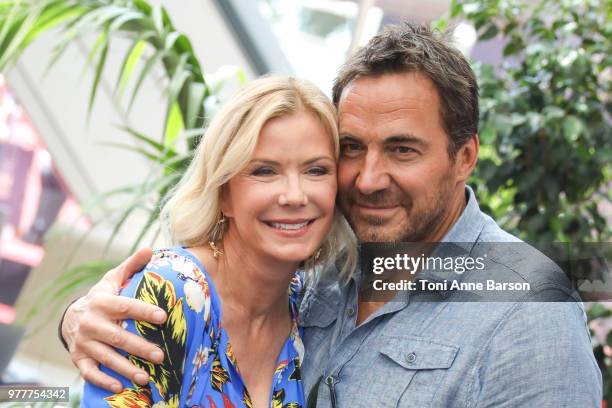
<point x="548" y="346"/>
<point x="492" y="232"/>
<point x="321" y="297"/>
<point x="551" y="327"/>
<point x="512" y="255"/>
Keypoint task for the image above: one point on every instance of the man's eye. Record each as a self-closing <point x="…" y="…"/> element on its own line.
<point x="403" y="149"/>
<point x="263" y="171"/>
<point x="349" y="148"/>
<point x="318" y="171"/>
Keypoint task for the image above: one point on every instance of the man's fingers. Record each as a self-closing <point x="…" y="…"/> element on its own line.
<point x="108" y="357"/>
<point x="122" y="308"/>
<point x="118" y="275"/>
<point x="134" y="263"/>
<point x="91" y="373"/>
<point x="117" y="337"/>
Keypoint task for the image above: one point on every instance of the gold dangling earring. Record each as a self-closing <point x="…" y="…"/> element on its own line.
<point x="216" y="251"/>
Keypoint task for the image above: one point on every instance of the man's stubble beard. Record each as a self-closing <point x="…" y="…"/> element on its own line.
<point x="414" y="227"/>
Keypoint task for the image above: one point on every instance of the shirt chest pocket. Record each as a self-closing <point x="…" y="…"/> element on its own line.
<point x="410" y="369"/>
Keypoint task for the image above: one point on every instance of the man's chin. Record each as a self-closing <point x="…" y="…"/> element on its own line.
<point x="376" y="229"/>
<point x="377" y="233"/>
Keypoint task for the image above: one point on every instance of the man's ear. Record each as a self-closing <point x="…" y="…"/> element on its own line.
<point x="466" y="158"/>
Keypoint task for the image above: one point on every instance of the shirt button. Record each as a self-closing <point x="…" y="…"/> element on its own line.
<point x="411" y="357"/>
<point x="350" y="312"/>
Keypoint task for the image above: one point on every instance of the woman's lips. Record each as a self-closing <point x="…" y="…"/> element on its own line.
<point x="290" y="228"/>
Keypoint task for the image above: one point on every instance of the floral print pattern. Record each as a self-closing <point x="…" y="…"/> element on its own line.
<point x="199" y="368"/>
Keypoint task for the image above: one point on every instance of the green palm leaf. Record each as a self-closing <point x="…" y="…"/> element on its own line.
<point x="153" y="46"/>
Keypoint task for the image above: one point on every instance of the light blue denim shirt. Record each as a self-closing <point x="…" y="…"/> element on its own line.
<point x="447" y="353"/>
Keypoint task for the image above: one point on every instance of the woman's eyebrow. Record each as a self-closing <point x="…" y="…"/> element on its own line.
<point x="264" y="161"/>
<point x="316" y="159"/>
<point x="275" y="163"/>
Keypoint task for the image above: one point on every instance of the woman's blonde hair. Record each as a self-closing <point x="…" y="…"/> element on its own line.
<point x="192" y="213"/>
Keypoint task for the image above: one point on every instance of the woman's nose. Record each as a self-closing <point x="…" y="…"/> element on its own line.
<point x="293" y="193"/>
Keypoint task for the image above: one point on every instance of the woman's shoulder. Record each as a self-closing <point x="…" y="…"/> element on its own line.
<point x="175" y="263"/>
<point x="172" y="272"/>
<point x="175" y="258"/>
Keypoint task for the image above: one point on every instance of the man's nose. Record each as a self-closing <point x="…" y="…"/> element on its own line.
<point x="293" y="194"/>
<point x="373" y="174"/>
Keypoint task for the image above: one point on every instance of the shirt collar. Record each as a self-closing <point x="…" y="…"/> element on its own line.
<point x="460" y="239"/>
<point x="469" y="225"/>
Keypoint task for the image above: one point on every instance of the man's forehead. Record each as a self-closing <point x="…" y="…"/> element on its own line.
<point x="387" y="91"/>
<point x="379" y="107"/>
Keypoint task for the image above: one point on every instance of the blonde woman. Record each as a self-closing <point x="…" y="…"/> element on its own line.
<point x="256" y="204"/>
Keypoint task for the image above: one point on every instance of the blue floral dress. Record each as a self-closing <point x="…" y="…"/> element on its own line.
<point x="199" y="367"/>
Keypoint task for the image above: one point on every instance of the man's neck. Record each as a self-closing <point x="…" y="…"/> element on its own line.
<point x="455" y="209"/>
<point x="459" y="202"/>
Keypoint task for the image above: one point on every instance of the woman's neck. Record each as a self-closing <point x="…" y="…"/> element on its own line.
<point x="250" y="285"/>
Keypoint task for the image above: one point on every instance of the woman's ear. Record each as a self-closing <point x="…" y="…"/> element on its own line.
<point x="226" y="202"/>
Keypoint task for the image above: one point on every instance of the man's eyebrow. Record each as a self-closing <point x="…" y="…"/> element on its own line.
<point x="411" y="139"/>
<point x="348" y="137"/>
<point x="404" y="138"/>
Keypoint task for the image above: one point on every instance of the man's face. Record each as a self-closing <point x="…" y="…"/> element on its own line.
<point x="396" y="181"/>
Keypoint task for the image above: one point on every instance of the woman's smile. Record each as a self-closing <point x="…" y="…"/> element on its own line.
<point x="291" y="228"/>
<point x="291" y="191"/>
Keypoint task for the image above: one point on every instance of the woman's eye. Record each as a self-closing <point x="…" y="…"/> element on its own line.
<point x="318" y="171"/>
<point x="263" y="171"/>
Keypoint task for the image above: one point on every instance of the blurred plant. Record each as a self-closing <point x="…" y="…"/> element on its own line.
<point x="599" y="313"/>
<point x="154" y="43"/>
<point x="546" y="153"/>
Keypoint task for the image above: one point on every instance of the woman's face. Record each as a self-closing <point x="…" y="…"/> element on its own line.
<point x="281" y="206"/>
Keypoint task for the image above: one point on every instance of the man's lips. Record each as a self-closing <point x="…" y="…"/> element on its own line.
<point x="376" y="210"/>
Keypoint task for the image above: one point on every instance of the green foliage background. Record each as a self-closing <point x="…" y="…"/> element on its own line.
<point x="546" y="146"/>
<point x="545" y="167"/>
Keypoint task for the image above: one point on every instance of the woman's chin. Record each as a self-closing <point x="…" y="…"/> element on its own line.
<point x="296" y="256"/>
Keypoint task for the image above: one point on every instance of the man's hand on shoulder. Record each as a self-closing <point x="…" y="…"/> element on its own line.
<point x="92" y="327"/>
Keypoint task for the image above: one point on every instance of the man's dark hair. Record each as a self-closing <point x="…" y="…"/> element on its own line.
<point x="417" y="48"/>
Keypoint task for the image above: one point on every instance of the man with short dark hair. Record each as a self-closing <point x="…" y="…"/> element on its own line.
<point x="408" y="117"/>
